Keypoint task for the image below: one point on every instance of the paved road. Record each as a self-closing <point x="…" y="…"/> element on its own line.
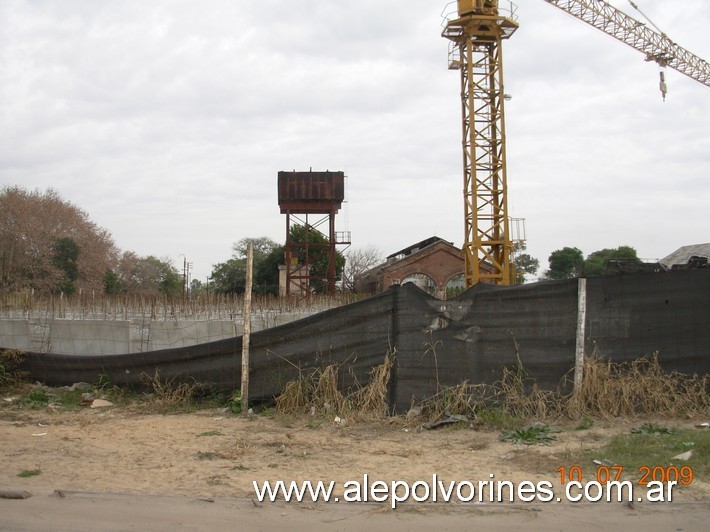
<point x="82" y="511"/>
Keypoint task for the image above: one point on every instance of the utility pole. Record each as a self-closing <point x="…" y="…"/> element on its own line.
<point x="247" y="330"/>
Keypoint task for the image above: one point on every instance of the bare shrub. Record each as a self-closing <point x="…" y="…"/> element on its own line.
<point x="318" y="392"/>
<point x="608" y="390"/>
<point x="10" y="374"/>
<point x="172" y="392"/>
<point x="371" y="401"/>
<point x="640" y="387"/>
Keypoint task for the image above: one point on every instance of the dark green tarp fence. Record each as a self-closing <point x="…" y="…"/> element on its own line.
<point x="440" y="343"/>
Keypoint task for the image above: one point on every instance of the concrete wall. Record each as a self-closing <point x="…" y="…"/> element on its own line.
<point x="90" y="337"/>
<point x="170" y="334"/>
<point x="109" y="337"/>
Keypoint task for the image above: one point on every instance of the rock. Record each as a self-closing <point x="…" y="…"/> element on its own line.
<point x="101" y="403"/>
<point x="683" y="456"/>
<point x="87" y="397"/>
<point x="15" y="494"/>
<point x="80" y="386"/>
<point x="414" y="411"/>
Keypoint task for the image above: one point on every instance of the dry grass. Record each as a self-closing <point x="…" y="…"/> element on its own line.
<point x="172" y="392"/>
<point x="609" y="390"/>
<point x="521" y="397"/>
<point x="515" y="395"/>
<point x="10" y="361"/>
<point x="371" y="400"/>
<point x="636" y="388"/>
<point x="318" y="392"/>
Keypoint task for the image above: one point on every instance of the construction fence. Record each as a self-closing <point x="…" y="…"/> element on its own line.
<point x="442" y="343"/>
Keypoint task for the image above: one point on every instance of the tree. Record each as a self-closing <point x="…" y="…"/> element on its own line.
<point x="357" y="262"/>
<point x="196" y="286"/>
<point x="66" y="253"/>
<point x="229" y="277"/>
<point x="523" y="263"/>
<point x="112" y="285"/>
<point x="266" y="272"/>
<point x="32" y="224"/>
<point x="309" y="243"/>
<point x="598" y="262"/>
<point x="261" y="247"/>
<point x="565" y="263"/>
<point x="148" y="275"/>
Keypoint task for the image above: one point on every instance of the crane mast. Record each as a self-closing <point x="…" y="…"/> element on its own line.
<point x="476" y="31"/>
<point x="656" y="45"/>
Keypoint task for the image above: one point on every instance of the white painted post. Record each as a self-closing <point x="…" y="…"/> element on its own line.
<point x="581" y="319"/>
<point x="247" y="331"/>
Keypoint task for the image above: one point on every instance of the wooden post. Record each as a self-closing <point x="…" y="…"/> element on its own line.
<point x="247" y="330"/>
<point x="581" y="319"/>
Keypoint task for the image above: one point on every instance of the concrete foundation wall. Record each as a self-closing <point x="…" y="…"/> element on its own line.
<point x="110" y="337"/>
<point x="171" y="334"/>
<point x="90" y="337"/>
<point x="15" y="334"/>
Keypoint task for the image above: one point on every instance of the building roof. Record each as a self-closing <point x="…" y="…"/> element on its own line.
<point x="683" y="254"/>
<point x="417" y="247"/>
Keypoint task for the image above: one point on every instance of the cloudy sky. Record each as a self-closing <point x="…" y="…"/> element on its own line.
<point x="168" y="120"/>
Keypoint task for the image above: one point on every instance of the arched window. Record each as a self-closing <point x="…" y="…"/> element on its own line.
<point x="422" y="281"/>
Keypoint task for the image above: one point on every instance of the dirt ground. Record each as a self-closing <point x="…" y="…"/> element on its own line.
<point x="155" y="471"/>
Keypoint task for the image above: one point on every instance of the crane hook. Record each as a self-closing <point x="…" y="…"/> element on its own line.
<point x="662" y="85"/>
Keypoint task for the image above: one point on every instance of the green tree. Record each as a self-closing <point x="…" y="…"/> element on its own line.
<point x="229" y="277"/>
<point x="66" y="254"/>
<point x="266" y="272"/>
<point x="310" y="244"/>
<point x="597" y="262"/>
<point x="565" y="263"/>
<point x="112" y="285"/>
<point x="171" y="281"/>
<point x="261" y="247"/>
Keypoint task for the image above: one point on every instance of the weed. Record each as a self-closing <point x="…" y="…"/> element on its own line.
<point x="496" y="418"/>
<point x="67" y="399"/>
<point x="26" y="473"/>
<point x="652" y="428"/>
<point x="111" y="391"/>
<point x="172" y="393"/>
<point x="530" y="435"/>
<point x="652" y="449"/>
<point x="585" y="423"/>
<point x="36" y="398"/>
<point x="207" y="455"/>
<point x="210" y="433"/>
<point x="235" y="402"/>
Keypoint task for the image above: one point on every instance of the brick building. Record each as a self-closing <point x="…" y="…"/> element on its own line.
<point x="434" y="265"/>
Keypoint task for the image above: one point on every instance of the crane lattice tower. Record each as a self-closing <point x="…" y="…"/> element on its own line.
<point x="476" y="31"/>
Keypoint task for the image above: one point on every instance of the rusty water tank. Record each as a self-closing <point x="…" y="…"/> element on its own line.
<point x="311" y="192"/>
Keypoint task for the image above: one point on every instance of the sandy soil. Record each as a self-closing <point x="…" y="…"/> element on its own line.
<point x="209" y="457"/>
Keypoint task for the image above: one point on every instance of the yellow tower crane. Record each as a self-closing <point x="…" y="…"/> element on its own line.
<point x="476" y="29"/>
<point x="476" y="32"/>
